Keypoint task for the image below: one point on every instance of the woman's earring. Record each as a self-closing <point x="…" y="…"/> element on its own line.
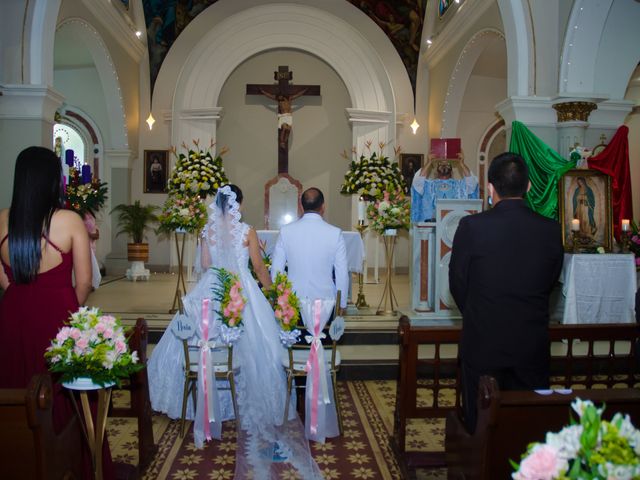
<point x="490" y="200"/>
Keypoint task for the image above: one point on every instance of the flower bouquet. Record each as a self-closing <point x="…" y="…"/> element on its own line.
<point x="85" y="197"/>
<point x="370" y="176"/>
<point x="228" y="292"/>
<point x="589" y="450"/>
<point x="198" y="172"/>
<point x="92" y="345"/>
<point x="392" y="211"/>
<point x="286" y="307"/>
<point x="266" y="259"/>
<point x="634" y="242"/>
<point x="182" y="212"/>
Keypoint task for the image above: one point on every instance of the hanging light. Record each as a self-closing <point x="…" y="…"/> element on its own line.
<point x="414" y="126"/>
<point x="150" y="120"/>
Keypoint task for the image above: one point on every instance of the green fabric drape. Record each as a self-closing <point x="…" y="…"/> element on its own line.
<point x="546" y="166"/>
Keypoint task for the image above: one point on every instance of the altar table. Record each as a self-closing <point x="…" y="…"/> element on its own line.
<point x="352" y="240"/>
<point x="599" y="288"/>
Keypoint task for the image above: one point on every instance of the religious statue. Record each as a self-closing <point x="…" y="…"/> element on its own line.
<point x="285" y="114"/>
<point x="426" y="191"/>
<point x="584" y="203"/>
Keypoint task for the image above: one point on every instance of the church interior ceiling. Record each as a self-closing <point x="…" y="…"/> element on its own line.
<point x="400" y="20"/>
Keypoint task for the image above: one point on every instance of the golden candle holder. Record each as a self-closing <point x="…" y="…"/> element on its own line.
<point x="388" y="303"/>
<point x="625" y="240"/>
<point x="180" y="237"/>
<point x="361" y="302"/>
<point x="575" y="235"/>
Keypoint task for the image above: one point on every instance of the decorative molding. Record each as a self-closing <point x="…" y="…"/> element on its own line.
<point x="214" y="113"/>
<point x="29" y="102"/>
<point x="454" y="31"/>
<point x="574" y="111"/>
<point x="532" y="111"/>
<point x="119" y="26"/>
<point x="117" y="158"/>
<point x="362" y="117"/>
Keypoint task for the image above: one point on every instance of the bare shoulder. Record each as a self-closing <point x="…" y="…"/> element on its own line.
<point x="4" y="221"/>
<point x="67" y="218"/>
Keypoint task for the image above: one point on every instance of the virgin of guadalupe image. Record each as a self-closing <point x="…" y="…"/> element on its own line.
<point x="584" y="203"/>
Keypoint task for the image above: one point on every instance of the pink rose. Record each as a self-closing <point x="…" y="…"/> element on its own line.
<point x="82" y="343"/>
<point x="63" y="334"/>
<point x="74" y="333"/>
<point x="543" y="463"/>
<point x="121" y="347"/>
<point x="108" y="333"/>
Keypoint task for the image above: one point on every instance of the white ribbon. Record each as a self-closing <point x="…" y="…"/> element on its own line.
<point x="205" y="347"/>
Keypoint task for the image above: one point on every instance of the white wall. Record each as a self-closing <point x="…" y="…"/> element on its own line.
<point x="320" y="132"/>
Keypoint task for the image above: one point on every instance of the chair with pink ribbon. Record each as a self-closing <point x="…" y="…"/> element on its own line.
<point x="322" y="408"/>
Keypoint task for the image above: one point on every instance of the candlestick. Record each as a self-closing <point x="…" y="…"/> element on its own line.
<point x="86" y="173"/>
<point x="361" y="302"/>
<point x="68" y="157"/>
<point x="575" y="225"/>
<point x="625" y="225"/>
<point x="362" y="208"/>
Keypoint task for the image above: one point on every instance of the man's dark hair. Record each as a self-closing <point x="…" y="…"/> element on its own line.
<point x="509" y="175"/>
<point x="312" y="200"/>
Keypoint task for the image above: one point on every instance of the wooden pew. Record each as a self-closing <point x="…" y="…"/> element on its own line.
<point x="140" y="406"/>
<point x="509" y="421"/>
<point x="587" y="356"/>
<point x="29" y="447"/>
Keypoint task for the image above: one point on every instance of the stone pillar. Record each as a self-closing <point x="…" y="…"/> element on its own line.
<point x="573" y="121"/>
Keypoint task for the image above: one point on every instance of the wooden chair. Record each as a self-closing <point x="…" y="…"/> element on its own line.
<point x="140" y="405"/>
<point x="29" y="447"/>
<point x="295" y="362"/>
<point x="222" y="364"/>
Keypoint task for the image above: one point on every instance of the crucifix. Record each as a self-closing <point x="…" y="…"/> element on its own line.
<point x="284" y="93"/>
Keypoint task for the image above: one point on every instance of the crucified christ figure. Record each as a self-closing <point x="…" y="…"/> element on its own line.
<point x="285" y="114"/>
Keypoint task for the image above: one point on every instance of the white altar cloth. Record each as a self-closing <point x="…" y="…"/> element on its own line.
<point x="599" y="288"/>
<point x="352" y="240"/>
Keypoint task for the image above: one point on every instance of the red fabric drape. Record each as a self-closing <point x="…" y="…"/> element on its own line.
<point x="614" y="161"/>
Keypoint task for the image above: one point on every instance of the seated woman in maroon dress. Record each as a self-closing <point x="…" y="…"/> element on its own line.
<point x="41" y="245"/>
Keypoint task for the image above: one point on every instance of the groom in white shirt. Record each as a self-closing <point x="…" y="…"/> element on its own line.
<point x="314" y="251"/>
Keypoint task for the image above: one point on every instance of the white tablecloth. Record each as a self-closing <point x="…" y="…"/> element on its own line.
<point x="352" y="240"/>
<point x="599" y="288"/>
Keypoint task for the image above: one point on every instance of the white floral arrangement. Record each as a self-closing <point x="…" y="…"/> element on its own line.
<point x="370" y="176"/>
<point x="198" y="172"/>
<point x="92" y="345"/>
<point x="589" y="450"/>
<point x="392" y="211"/>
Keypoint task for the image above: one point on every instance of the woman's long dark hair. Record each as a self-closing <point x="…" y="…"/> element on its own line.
<point x="36" y="196"/>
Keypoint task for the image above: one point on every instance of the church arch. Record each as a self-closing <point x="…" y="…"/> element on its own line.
<point x="40" y="27"/>
<point x="516" y="21"/>
<point x="306" y="28"/>
<point x="598" y="42"/>
<point x="460" y="78"/>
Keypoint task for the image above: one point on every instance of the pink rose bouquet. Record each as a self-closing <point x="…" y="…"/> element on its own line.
<point x="228" y="291"/>
<point x="589" y="450"/>
<point x="92" y="345"/>
<point x="285" y="302"/>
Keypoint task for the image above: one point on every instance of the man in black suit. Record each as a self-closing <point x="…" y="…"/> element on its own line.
<point x="504" y="263"/>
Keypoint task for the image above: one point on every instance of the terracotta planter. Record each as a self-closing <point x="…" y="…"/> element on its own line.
<point x="138" y="252"/>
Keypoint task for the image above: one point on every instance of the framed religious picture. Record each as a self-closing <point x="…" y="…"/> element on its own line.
<point x="156" y="163"/>
<point x="585" y="211"/>
<point x="409" y="164"/>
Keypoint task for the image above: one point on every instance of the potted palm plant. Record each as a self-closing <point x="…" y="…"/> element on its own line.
<point x="134" y="220"/>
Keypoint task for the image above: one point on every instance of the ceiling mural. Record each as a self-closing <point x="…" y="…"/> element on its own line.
<point x="401" y="21"/>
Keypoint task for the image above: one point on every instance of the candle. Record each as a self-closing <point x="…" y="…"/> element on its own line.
<point x="625" y="225"/>
<point x="68" y="157"/>
<point x="362" y="208"/>
<point x="86" y="173"/>
<point x="575" y="225"/>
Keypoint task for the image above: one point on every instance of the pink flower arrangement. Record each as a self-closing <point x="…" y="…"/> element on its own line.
<point x="228" y="291"/>
<point x="390" y="211"/>
<point x="285" y="302"/>
<point x="92" y="345"/>
<point x="542" y="463"/>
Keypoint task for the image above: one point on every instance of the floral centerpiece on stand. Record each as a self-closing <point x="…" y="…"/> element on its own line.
<point x="391" y="211"/>
<point x="182" y="212"/>
<point x="589" y="450"/>
<point x="286" y="307"/>
<point x="371" y="175"/>
<point x="84" y="198"/>
<point x="92" y="345"/>
<point x="197" y="172"/>
<point x="228" y="292"/>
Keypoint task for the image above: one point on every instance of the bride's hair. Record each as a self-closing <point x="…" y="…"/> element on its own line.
<point x="223" y="201"/>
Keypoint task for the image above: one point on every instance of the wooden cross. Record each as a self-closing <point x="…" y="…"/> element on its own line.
<point x="284" y="93"/>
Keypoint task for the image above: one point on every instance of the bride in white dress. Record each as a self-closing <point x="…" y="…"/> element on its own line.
<point x="267" y="447"/>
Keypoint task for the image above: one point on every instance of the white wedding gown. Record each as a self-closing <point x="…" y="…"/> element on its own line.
<point x="266" y="447"/>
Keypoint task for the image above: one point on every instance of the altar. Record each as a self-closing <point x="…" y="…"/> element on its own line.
<point x="599" y="288"/>
<point x="353" y="243"/>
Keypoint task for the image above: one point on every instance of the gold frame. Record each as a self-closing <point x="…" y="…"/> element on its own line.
<point x="163" y="158"/>
<point x="566" y="187"/>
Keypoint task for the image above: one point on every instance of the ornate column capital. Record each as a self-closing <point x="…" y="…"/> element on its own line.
<point x="574" y="111"/>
